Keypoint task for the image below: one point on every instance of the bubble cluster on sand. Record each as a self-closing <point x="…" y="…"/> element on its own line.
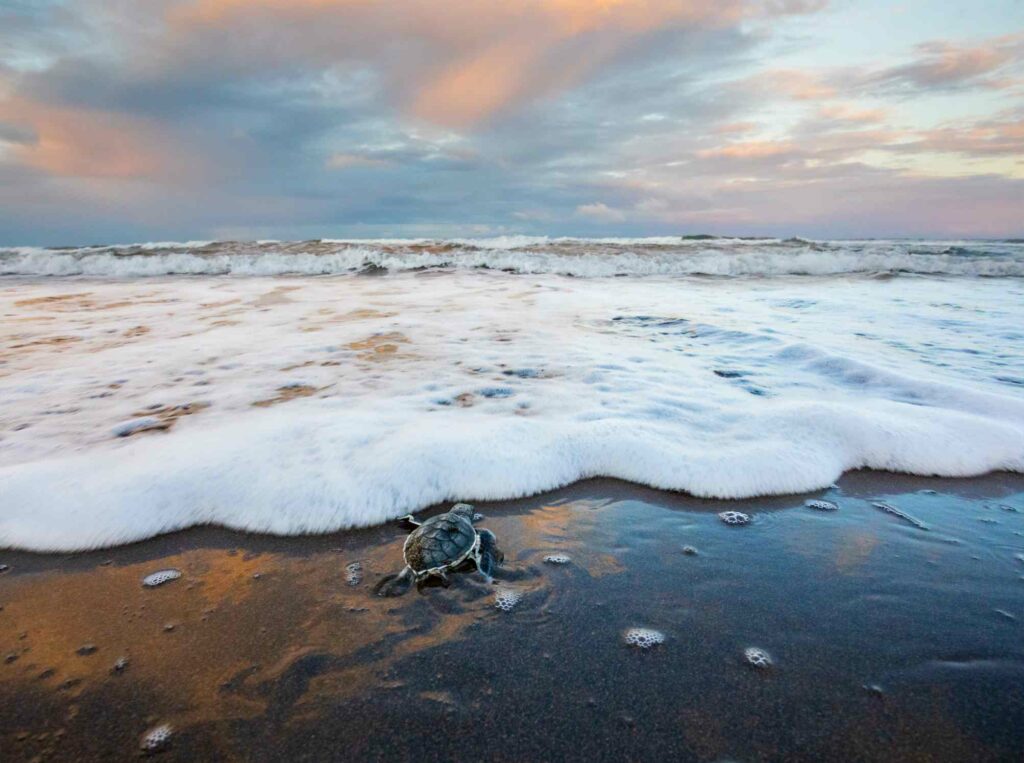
<point x="156" y="739"/>
<point x="643" y="638"/>
<point x="86" y="649"/>
<point x="120" y="665"/>
<point x="557" y="559"/>
<point x="734" y="518"/>
<point x="160" y="577"/>
<point x="820" y="505"/>
<point x="757" y="658"/>
<point x="506" y="599"/>
<point x="354" y="573"/>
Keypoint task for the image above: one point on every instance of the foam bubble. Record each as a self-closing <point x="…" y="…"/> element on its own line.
<point x="689" y="551"/>
<point x="557" y="559"/>
<point x="757" y="658"/>
<point x="156" y="739"/>
<point x="354" y="573"/>
<point x="643" y="638"/>
<point x="506" y="599"/>
<point x="734" y="518"/>
<point x="820" y="505"/>
<point x="160" y="577"/>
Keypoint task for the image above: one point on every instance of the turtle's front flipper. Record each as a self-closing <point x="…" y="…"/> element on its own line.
<point x="489" y="555"/>
<point x="411" y="520"/>
<point x="394" y="585"/>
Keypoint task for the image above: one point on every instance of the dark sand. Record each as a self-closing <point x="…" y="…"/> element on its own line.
<point x="890" y="642"/>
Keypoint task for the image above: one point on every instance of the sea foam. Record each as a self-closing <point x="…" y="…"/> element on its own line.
<point x="720" y="388"/>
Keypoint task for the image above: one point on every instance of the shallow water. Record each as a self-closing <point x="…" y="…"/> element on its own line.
<point x="888" y="641"/>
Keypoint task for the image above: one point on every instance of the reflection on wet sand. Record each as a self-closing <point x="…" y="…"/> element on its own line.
<point x="264" y="648"/>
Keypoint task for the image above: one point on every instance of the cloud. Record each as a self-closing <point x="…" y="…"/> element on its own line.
<point x="344" y="161"/>
<point x="789" y="83"/>
<point x="600" y="212"/>
<point x="77" y="142"/>
<point x="990" y="138"/>
<point x="459" y="62"/>
<point x="944" y="64"/>
<point x="847" y="112"/>
<point x="748" y="150"/>
<point x="306" y="118"/>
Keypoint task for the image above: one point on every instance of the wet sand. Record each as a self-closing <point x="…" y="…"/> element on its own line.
<point x="890" y="641"/>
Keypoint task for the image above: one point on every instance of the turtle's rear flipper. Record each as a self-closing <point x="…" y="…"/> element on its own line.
<point x="410" y="519"/>
<point x="490" y="555"/>
<point x="394" y="585"/>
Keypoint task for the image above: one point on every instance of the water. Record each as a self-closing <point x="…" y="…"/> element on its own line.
<point x="306" y="403"/>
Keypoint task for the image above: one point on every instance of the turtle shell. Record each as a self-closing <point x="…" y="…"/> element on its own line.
<point x="440" y="542"/>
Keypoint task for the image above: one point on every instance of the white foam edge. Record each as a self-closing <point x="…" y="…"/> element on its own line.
<point x="314" y="469"/>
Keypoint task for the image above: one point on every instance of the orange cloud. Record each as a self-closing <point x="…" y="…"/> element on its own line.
<point x="799" y="85"/>
<point x="944" y="62"/>
<point x="844" y="112"/>
<point x="756" y="149"/>
<point x="985" y="139"/>
<point x="76" y="142"/>
<point x="460" y="62"/>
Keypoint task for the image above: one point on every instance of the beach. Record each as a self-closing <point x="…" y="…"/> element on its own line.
<point x="890" y="637"/>
<point x="758" y="499"/>
<point x="526" y="382"/>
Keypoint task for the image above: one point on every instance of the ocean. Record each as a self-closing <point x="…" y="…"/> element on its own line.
<point x="298" y="387"/>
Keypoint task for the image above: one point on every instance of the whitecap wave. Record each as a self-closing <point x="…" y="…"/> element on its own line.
<point x="587" y="258"/>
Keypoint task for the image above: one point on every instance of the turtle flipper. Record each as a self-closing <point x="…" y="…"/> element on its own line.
<point x="394" y="585"/>
<point x="411" y="520"/>
<point x="489" y="556"/>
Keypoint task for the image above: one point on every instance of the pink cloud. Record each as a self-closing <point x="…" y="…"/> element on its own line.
<point x="460" y="62"/>
<point x="847" y="112"/>
<point x="87" y="143"/>
<point x="757" y="149"/>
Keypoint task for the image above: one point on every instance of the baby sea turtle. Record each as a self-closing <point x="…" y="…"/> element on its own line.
<point x="442" y="544"/>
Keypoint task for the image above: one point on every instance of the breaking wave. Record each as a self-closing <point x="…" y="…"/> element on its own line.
<point x="587" y="258"/>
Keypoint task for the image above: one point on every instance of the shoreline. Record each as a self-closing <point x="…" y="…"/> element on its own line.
<point x="221" y="535"/>
<point x="886" y="639"/>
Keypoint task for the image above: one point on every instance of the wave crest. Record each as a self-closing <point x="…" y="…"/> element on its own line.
<point x="585" y="258"/>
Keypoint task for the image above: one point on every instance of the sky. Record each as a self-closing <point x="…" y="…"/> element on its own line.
<point x="125" y="121"/>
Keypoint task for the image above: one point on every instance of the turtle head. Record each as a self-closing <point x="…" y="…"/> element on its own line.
<point x="464" y="510"/>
